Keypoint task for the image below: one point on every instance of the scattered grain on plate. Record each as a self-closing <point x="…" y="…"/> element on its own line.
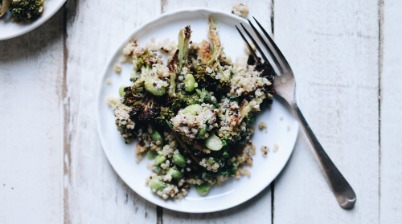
<point x="276" y="147"/>
<point x="262" y="126"/>
<point x="245" y="172"/>
<point x="252" y="148"/>
<point x="117" y="69"/>
<point x="240" y="9"/>
<point x="281" y="118"/>
<point x="265" y="151"/>
<point x="289" y="128"/>
<point x="112" y="102"/>
<point x="108" y="81"/>
<point x="248" y="51"/>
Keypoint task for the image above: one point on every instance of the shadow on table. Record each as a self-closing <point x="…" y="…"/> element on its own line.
<point x="263" y="198"/>
<point x="35" y="42"/>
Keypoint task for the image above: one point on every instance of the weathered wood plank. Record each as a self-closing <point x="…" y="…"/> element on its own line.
<point x="94" y="193"/>
<point x="31" y="126"/>
<point x="391" y="110"/>
<point x="332" y="47"/>
<point x="258" y="208"/>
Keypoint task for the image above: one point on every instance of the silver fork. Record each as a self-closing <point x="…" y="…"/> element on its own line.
<point x="285" y="86"/>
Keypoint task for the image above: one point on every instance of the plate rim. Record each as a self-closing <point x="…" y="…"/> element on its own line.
<point x="99" y="101"/>
<point x="36" y="24"/>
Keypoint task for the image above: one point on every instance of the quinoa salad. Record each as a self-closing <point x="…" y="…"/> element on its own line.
<point x="191" y="110"/>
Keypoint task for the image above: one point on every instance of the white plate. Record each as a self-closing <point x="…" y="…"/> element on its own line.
<point x="10" y="29"/>
<point x="282" y="127"/>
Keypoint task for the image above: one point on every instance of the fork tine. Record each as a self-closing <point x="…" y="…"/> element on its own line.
<point x="248" y="45"/>
<point x="276" y="48"/>
<point x="269" y="49"/>
<point x="255" y="43"/>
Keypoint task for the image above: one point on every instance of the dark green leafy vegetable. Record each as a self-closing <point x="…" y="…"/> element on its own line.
<point x="25" y="11"/>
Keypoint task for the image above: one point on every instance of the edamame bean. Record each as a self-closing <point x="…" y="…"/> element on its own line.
<point x="192" y="109"/>
<point x="150" y="86"/>
<point x="189" y="82"/>
<point x="202" y="131"/>
<point x="156" y="184"/>
<point x="214" y="143"/>
<point x="175" y="173"/>
<point x="202" y="189"/>
<point x="179" y="160"/>
<point x="157" y="137"/>
<point x="151" y="154"/>
<point x="159" y="159"/>
<point x="121" y="91"/>
<point x="157" y="169"/>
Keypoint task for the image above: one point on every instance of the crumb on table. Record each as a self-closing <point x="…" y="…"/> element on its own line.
<point x="262" y="126"/>
<point x="240" y="9"/>
<point x="117" y="69"/>
<point x="245" y="172"/>
<point x="108" y="81"/>
<point x="265" y="151"/>
<point x="276" y="147"/>
<point x="111" y="102"/>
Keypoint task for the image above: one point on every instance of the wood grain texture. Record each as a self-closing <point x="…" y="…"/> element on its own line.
<point x="31" y="130"/>
<point x="391" y="110"/>
<point x="332" y="47"/>
<point x="94" y="193"/>
<point x="259" y="208"/>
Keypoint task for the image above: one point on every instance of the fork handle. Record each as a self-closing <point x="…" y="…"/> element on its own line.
<point x="344" y="193"/>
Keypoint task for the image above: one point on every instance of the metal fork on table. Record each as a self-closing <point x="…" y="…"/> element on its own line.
<point x="285" y="86"/>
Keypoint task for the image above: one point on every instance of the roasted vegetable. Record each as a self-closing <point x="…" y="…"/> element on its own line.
<point x="146" y="111"/>
<point x="216" y="43"/>
<point x="184" y="38"/>
<point x="144" y="106"/>
<point x="191" y="109"/>
<point x="4" y="7"/>
<point x="172" y="66"/>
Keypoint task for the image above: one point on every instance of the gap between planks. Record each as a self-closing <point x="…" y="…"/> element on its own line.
<point x="67" y="115"/>
<point x="66" y="111"/>
<point x="273" y="182"/>
<point x="380" y="70"/>
<point x="159" y="210"/>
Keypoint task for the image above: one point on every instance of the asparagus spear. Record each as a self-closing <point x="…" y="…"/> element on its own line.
<point x="184" y="38"/>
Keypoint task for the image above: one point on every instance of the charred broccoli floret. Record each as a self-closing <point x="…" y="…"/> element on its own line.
<point x="146" y="111"/>
<point x="25" y="11"/>
<point x="144" y="106"/>
<point x="144" y="60"/>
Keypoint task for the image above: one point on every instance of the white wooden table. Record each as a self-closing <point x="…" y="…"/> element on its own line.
<point x="346" y="57"/>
